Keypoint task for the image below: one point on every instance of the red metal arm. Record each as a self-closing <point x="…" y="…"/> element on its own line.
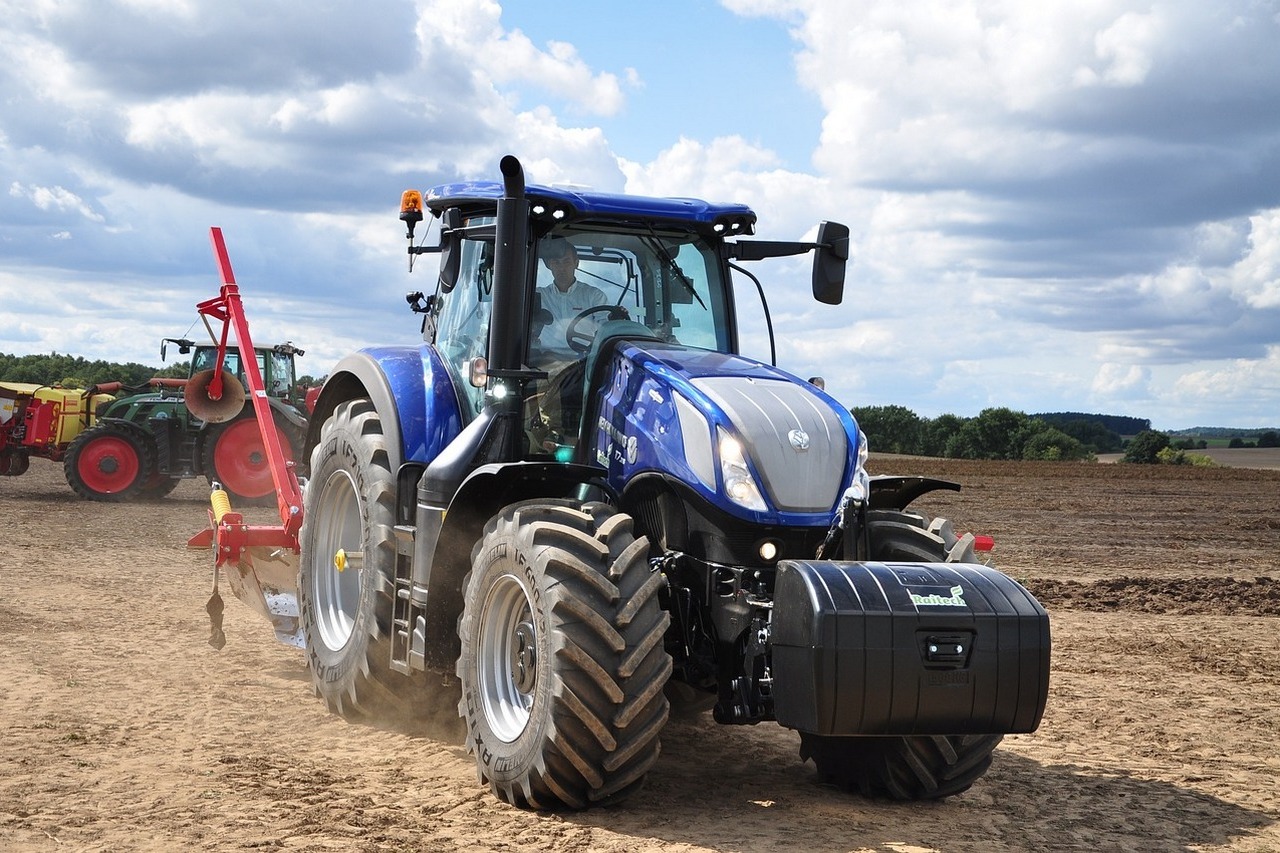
<point x="228" y="308"/>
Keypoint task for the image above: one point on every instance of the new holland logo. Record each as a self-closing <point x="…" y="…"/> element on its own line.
<point x="956" y="599"/>
<point x="799" y="440"/>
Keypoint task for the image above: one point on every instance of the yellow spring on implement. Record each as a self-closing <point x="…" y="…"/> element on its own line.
<point x="221" y="503"/>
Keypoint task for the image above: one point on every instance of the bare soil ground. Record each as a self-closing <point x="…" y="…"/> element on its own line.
<point x="122" y="729"/>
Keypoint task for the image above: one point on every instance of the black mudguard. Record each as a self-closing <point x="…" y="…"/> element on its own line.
<point x="890" y="491"/>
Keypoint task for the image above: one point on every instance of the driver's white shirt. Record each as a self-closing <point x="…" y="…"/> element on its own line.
<point x="564" y="306"/>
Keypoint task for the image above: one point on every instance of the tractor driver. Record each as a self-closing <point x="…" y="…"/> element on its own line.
<point x="565" y="297"/>
<point x="559" y="406"/>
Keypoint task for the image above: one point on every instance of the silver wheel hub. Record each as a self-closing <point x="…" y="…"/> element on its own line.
<point x="507" y="665"/>
<point x="337" y="560"/>
<point x="524" y="658"/>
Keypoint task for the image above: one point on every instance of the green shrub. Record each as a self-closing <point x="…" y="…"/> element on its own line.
<point x="1147" y="448"/>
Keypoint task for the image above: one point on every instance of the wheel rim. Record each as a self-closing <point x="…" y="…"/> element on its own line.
<point x="108" y="465"/>
<point x="240" y="459"/>
<point x="508" y="659"/>
<point x="335" y="590"/>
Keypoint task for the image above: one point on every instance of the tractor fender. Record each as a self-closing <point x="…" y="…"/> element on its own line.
<point x="137" y="429"/>
<point x="481" y="496"/>
<point x="890" y="491"/>
<point x="288" y="412"/>
<point x="411" y="391"/>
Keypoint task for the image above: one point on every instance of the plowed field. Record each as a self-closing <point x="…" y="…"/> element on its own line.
<point x="122" y="729"/>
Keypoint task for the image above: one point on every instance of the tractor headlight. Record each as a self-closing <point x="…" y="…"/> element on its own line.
<point x="860" y="489"/>
<point x="696" y="435"/>
<point x="739" y="485"/>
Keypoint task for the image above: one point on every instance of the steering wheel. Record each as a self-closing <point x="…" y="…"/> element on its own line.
<point x="579" y="340"/>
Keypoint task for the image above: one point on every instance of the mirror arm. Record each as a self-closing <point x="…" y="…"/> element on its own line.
<point x="756" y="250"/>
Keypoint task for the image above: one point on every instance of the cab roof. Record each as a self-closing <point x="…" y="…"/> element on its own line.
<point x="589" y="204"/>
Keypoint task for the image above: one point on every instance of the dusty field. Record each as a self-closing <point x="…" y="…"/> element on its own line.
<point x="123" y="730"/>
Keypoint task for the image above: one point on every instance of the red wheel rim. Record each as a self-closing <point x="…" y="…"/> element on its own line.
<point x="240" y="459"/>
<point x="108" y="465"/>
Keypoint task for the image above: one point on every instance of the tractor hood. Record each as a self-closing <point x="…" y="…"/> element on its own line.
<point x="755" y="441"/>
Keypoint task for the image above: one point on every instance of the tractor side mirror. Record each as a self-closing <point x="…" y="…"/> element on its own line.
<point x="184" y="345"/>
<point x="829" y="262"/>
<point x="450" y="263"/>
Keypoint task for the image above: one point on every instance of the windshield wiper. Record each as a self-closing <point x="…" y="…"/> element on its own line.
<point x="655" y="245"/>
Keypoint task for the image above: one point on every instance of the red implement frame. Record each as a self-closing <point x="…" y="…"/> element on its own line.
<point x="227" y="528"/>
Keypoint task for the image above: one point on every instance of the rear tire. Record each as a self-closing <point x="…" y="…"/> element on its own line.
<point x="346" y="612"/>
<point x="236" y="457"/>
<point x="562" y="665"/>
<point x="905" y="768"/>
<point x="108" y="462"/>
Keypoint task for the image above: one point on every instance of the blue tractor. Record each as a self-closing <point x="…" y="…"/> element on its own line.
<point x="560" y="527"/>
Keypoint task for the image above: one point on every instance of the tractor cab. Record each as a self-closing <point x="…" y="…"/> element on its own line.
<point x="596" y="271"/>
<point x="276" y="364"/>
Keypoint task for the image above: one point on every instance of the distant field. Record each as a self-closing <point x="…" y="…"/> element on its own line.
<point x="1233" y="457"/>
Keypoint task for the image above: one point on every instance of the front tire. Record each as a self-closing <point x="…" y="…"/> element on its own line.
<point x="917" y="767"/>
<point x="562" y="665"/>
<point x="899" y="536"/>
<point x="901" y="768"/>
<point x="108" y="463"/>
<point x="347" y="570"/>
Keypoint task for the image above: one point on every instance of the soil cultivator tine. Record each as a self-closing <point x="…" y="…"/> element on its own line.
<point x="214" y="607"/>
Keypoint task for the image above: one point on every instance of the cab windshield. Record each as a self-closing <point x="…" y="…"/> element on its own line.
<point x="668" y="282"/>
<point x="277" y="373"/>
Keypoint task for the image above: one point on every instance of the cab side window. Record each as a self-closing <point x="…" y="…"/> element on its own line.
<point x="462" y="321"/>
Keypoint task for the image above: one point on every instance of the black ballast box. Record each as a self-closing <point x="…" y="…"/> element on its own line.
<point x="906" y="649"/>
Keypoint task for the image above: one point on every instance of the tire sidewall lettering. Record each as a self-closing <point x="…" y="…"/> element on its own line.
<point x="503" y="760"/>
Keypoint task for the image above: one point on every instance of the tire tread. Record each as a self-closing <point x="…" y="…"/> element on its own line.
<point x="608" y="707"/>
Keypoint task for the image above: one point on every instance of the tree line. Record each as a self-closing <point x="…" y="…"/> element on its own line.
<point x="1115" y="425"/>
<point x="73" y="371"/>
<point x="1000" y="433"/>
<point x="1151" y="447"/>
<point x="995" y="433"/>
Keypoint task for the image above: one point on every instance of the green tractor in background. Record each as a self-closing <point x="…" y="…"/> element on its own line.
<point x="143" y="443"/>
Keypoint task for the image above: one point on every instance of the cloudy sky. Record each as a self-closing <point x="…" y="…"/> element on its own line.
<point x="1055" y="205"/>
